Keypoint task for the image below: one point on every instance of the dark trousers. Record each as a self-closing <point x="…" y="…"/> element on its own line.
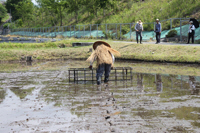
<point x="100" y="70"/>
<point x="139" y="33"/>
<point x="191" y="35"/>
<point x="158" y="37"/>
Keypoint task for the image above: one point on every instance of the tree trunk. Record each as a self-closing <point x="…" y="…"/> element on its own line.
<point x="42" y="19"/>
<point x="76" y="17"/>
<point x="60" y="17"/>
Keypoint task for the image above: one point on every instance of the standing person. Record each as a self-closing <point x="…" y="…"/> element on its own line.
<point x="103" y="53"/>
<point x="158" y="31"/>
<point x="191" y="32"/>
<point x="139" y="29"/>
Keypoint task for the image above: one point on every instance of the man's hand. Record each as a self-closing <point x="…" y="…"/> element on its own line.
<point x="90" y="67"/>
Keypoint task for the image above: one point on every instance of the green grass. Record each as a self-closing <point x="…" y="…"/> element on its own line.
<point x="146" y="52"/>
<point x="67" y="43"/>
<point x="5" y="18"/>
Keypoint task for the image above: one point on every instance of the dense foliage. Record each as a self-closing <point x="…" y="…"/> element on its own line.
<point x="70" y="12"/>
<point x="3" y="11"/>
<point x="171" y="33"/>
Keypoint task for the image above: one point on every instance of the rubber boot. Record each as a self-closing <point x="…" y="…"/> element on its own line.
<point x="106" y="79"/>
<point x="98" y="80"/>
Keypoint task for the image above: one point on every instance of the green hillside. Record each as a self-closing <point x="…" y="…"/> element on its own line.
<point x="72" y="12"/>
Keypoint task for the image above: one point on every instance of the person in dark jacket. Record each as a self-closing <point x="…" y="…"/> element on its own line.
<point x="139" y="29"/>
<point x="191" y="32"/>
<point x="158" y="31"/>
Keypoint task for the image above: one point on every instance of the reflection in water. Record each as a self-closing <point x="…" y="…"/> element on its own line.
<point x="140" y="82"/>
<point x="159" y="84"/>
<point x="193" y="86"/>
<point x="29" y="63"/>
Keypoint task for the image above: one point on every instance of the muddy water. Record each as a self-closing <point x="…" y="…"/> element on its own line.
<point x="37" y="97"/>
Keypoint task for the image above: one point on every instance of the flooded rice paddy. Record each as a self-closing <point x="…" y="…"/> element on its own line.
<point x="37" y="97"/>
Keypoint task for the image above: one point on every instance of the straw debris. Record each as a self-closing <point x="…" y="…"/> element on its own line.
<point x="102" y="54"/>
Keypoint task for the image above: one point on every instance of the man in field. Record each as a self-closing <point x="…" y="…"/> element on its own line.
<point x="103" y="53"/>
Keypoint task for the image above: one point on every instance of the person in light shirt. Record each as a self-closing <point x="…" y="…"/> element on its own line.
<point x="191" y="32"/>
<point x="139" y="29"/>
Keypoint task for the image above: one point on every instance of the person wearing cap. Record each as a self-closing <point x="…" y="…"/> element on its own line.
<point x="139" y="29"/>
<point x="191" y="32"/>
<point x="158" y="31"/>
<point x="104" y="55"/>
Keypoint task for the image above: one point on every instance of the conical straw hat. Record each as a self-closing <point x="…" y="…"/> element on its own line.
<point x="99" y="43"/>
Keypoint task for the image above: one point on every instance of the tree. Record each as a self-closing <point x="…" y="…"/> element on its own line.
<point x="11" y="6"/>
<point x="54" y="7"/>
<point x="3" y="12"/>
<point x="95" y="5"/>
<point x="74" y="6"/>
<point x="24" y="9"/>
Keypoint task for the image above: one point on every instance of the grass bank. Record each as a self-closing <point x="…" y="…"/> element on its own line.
<point x="132" y="51"/>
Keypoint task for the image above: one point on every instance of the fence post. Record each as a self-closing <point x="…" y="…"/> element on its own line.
<point x="90" y="30"/>
<point x="79" y="31"/>
<point x="48" y="32"/>
<point x="120" y="30"/>
<point x="170" y="23"/>
<point x="97" y="31"/>
<point x="106" y="28"/>
<point x="74" y="31"/>
<point x="154" y="29"/>
<point x="130" y="31"/>
<point x="70" y="31"/>
<point x="180" y="30"/>
<point x="52" y="31"/>
<point x="84" y="32"/>
<point x="116" y="31"/>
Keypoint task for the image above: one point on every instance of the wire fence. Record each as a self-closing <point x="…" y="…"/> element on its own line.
<point x="119" y="31"/>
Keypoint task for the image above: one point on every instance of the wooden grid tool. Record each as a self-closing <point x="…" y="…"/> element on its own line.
<point x="86" y="74"/>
